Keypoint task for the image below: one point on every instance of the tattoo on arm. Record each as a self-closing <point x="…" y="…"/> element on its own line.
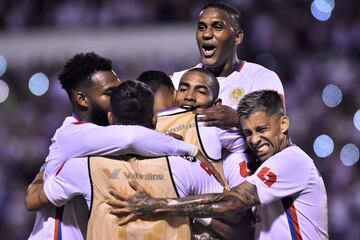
<point x="208" y="205"/>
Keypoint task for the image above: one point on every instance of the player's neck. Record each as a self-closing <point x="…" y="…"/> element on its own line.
<point x="82" y="116"/>
<point x="226" y="69"/>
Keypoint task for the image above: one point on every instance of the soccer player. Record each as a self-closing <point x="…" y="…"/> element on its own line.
<point x="199" y="88"/>
<point x="89" y="81"/>
<point x="287" y="189"/>
<point x="131" y="104"/>
<point x="218" y="35"/>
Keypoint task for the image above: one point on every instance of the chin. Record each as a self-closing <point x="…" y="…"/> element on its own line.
<point x="209" y="62"/>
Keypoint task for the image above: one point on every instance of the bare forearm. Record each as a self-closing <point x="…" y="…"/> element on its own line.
<point x="207" y="205"/>
<point x="35" y="197"/>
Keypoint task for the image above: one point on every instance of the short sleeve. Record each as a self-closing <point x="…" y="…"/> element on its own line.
<point x="284" y="174"/>
<point x="191" y="178"/>
<point x="235" y="168"/>
<point x="70" y="180"/>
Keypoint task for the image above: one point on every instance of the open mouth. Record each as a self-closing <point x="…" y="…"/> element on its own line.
<point x="262" y="149"/>
<point x="189" y="107"/>
<point x="208" y="50"/>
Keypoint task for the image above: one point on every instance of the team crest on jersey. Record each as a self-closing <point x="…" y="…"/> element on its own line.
<point x="236" y="94"/>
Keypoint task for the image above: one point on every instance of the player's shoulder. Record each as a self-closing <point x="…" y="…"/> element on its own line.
<point x="255" y="69"/>
<point x="292" y="155"/>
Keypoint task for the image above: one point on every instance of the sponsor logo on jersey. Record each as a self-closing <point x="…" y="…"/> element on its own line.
<point x="236" y="94"/>
<point x="114" y="174"/>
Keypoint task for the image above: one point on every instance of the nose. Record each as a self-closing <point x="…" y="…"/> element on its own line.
<point x="255" y="140"/>
<point x="207" y="34"/>
<point x="190" y="96"/>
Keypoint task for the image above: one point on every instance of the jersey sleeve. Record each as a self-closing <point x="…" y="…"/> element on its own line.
<point x="89" y="139"/>
<point x="280" y="176"/>
<point x="235" y="168"/>
<point x="70" y="180"/>
<point x="231" y="140"/>
<point x="192" y="179"/>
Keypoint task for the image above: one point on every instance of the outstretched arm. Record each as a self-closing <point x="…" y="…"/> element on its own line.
<point x="240" y="197"/>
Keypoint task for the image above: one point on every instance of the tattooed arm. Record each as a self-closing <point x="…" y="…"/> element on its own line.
<point x="239" y="198"/>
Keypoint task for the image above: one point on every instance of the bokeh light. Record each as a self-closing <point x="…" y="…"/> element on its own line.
<point x="323" y="146"/>
<point x="4" y="91"/>
<point x="38" y="84"/>
<point x="349" y="154"/>
<point x="321" y="9"/>
<point x="331" y="95"/>
<point x="357" y="120"/>
<point x="3" y="65"/>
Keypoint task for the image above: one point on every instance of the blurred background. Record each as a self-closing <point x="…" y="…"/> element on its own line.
<point x="314" y="47"/>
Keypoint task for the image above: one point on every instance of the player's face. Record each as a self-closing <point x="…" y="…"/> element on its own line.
<point x="194" y="91"/>
<point x="216" y="37"/>
<point x="265" y="134"/>
<point x="98" y="94"/>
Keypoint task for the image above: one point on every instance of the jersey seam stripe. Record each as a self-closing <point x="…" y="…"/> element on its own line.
<point x="290" y="210"/>
<point x="58" y="219"/>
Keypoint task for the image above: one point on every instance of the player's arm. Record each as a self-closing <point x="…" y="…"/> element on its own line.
<point x="116" y="139"/>
<point x="35" y="196"/>
<point x="239" y="198"/>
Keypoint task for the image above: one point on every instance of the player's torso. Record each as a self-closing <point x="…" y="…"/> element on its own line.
<point x="300" y="216"/>
<point x="242" y="81"/>
<point x="154" y="176"/>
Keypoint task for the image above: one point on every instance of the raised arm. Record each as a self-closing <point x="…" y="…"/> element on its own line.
<point x="239" y="198"/>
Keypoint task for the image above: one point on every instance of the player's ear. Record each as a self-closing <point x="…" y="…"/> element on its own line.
<point x="239" y="35"/>
<point x="217" y="102"/>
<point x="81" y="99"/>
<point x="284" y="124"/>
<point x="110" y="118"/>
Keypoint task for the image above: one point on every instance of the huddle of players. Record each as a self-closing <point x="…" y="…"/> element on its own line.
<point x="133" y="119"/>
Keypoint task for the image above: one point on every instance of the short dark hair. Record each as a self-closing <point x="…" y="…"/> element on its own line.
<point x="132" y="103"/>
<point x="156" y="80"/>
<point x="79" y="70"/>
<point x="213" y="84"/>
<point x="268" y="101"/>
<point x="233" y="12"/>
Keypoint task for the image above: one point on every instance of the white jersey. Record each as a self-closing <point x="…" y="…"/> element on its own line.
<point x="73" y="180"/>
<point x="292" y="196"/>
<point x="249" y="77"/>
<point x="77" y="138"/>
<point x="236" y="168"/>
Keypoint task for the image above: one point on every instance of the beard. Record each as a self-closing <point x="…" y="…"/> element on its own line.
<point x="99" y="115"/>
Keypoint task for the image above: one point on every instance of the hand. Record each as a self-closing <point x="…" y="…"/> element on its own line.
<point x="219" y="116"/>
<point x="126" y="205"/>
